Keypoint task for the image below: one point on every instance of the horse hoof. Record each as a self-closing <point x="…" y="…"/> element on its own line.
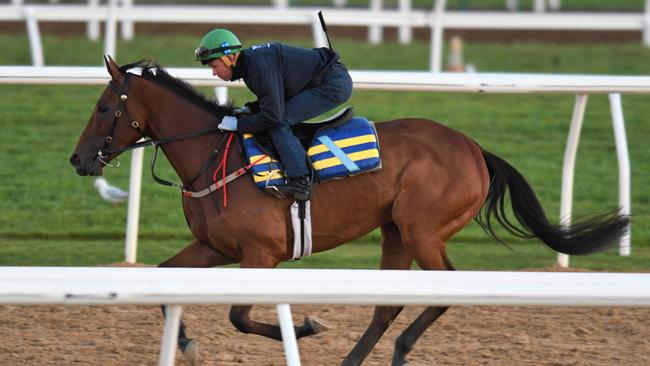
<point x="317" y="324"/>
<point x="191" y="353"/>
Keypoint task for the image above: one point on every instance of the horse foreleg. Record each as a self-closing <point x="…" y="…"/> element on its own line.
<point x="188" y="346"/>
<point x="393" y="256"/>
<point x="240" y="318"/>
<point x="240" y="314"/>
<point x="196" y="254"/>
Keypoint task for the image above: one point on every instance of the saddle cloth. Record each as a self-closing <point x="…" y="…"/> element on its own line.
<point x="347" y="149"/>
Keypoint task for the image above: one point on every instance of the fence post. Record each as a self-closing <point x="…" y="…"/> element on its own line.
<point x="170" y="335"/>
<point x="646" y="24"/>
<point x="375" y="31"/>
<point x="111" y="28"/>
<point x="554" y="5"/>
<point x="133" y="213"/>
<point x="437" y="38"/>
<point x="288" y="335"/>
<point x="568" y="169"/>
<point x="623" y="157"/>
<point x="127" y="25"/>
<point x="221" y="92"/>
<point x="281" y="4"/>
<point x="539" y="6"/>
<point x="34" y="36"/>
<point x="92" y="26"/>
<point x="405" y="32"/>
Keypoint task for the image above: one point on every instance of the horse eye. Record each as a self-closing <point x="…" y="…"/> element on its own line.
<point x="102" y="108"/>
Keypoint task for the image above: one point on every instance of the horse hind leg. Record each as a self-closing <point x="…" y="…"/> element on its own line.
<point x="405" y="342"/>
<point x="443" y="210"/>
<point x="393" y="256"/>
<point x="196" y="254"/>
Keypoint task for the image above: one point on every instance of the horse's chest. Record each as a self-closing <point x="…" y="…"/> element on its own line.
<point x="217" y="228"/>
<point x="200" y="218"/>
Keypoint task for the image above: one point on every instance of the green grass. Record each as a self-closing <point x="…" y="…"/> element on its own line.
<point x="50" y="216"/>
<point x="363" y="254"/>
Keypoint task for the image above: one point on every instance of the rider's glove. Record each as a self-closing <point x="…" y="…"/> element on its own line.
<point x="228" y="123"/>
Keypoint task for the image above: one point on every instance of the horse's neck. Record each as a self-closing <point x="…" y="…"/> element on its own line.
<point x="171" y="115"/>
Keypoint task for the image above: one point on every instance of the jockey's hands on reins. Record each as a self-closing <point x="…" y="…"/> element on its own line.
<point x="228" y="123"/>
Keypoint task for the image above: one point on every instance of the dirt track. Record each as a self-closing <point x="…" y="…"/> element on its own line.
<point x="56" y="335"/>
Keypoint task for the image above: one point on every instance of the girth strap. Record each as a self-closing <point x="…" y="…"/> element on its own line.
<point x="302" y="229"/>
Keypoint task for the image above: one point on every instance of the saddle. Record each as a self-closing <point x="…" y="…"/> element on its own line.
<point x="339" y="146"/>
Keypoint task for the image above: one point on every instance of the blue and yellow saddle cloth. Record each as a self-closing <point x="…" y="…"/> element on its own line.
<point x="347" y="149"/>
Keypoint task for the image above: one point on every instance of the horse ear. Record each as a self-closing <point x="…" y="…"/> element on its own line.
<point x="113" y="68"/>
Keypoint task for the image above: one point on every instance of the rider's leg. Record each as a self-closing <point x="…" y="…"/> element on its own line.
<point x="335" y="89"/>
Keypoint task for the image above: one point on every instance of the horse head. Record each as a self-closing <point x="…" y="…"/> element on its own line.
<point x="116" y="121"/>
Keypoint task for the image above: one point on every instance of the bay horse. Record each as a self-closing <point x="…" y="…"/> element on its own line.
<point x="433" y="182"/>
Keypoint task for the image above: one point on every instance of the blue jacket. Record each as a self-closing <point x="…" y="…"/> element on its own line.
<point x="275" y="72"/>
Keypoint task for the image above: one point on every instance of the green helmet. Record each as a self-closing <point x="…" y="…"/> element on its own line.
<point x="215" y="44"/>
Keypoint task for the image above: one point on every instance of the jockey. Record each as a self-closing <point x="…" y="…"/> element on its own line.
<point x="291" y="85"/>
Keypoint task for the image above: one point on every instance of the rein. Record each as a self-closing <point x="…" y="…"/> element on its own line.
<point x="161" y="141"/>
<point x="226" y="139"/>
<point x="123" y="94"/>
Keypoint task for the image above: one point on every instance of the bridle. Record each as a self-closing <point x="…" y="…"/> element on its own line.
<point x="105" y="150"/>
<point x="122" y="105"/>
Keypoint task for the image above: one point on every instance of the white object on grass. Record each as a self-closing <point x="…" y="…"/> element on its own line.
<point x="110" y="193"/>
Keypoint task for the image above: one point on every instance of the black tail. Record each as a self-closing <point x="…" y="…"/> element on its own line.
<point x="592" y="235"/>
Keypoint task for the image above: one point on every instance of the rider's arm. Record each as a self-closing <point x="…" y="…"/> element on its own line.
<point x="267" y="85"/>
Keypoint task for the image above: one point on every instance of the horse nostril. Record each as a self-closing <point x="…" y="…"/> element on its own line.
<point x="75" y="160"/>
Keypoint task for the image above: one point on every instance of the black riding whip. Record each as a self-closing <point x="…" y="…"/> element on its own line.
<point x="324" y="26"/>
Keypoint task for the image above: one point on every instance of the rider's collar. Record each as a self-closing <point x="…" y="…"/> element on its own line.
<point x="238" y="69"/>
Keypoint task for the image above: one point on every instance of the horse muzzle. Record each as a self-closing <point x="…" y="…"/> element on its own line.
<point x="90" y="166"/>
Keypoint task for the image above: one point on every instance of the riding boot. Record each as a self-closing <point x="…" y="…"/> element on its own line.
<point x="298" y="188"/>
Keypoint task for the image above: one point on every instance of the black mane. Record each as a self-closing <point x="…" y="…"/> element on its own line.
<point x="153" y="72"/>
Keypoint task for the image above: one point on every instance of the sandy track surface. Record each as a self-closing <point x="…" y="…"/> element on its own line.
<point x="130" y="335"/>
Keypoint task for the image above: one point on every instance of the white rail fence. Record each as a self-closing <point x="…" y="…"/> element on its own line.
<point x="180" y="286"/>
<point x="580" y="85"/>
<point x="404" y="18"/>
